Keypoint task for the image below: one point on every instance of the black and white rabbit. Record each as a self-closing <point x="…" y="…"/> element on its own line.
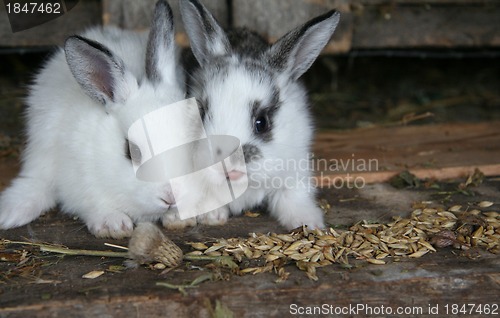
<point x="251" y="90"/>
<point x="80" y="107"/>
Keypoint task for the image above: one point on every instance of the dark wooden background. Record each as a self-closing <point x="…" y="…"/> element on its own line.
<point x="365" y="24"/>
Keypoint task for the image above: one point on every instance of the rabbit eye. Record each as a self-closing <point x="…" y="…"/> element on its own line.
<point x="261" y="124"/>
<point x="133" y="152"/>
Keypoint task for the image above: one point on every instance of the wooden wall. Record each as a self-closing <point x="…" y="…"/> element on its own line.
<point x="365" y="24"/>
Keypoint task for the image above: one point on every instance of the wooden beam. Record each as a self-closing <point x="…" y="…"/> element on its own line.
<point x="442" y="151"/>
<point x="137" y="15"/>
<point x="384" y="176"/>
<point x="274" y="18"/>
<point x="419" y="24"/>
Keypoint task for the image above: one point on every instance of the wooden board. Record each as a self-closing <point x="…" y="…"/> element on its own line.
<point x="446" y="278"/>
<point x="423" y="25"/>
<point x="441" y="151"/>
<point x="137" y="15"/>
<point x="274" y="18"/>
<point x="365" y="24"/>
<point x="438" y="279"/>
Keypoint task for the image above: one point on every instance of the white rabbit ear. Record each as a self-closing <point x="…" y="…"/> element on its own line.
<point x="205" y="34"/>
<point x="160" y="53"/>
<point x="96" y="69"/>
<point x="295" y="52"/>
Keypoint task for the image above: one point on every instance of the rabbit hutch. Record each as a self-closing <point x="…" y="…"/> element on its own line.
<point x="405" y="100"/>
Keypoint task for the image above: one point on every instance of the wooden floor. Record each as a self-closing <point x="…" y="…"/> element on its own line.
<point x="432" y="284"/>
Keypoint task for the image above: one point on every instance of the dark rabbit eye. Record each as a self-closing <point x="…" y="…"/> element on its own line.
<point x="261" y="124"/>
<point x="133" y="152"/>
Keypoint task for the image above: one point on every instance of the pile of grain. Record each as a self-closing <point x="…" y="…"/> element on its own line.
<point x="426" y="229"/>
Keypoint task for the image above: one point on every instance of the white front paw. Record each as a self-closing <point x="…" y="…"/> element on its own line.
<point x="115" y="225"/>
<point x="292" y="214"/>
<point x="314" y="219"/>
<point x="23" y="202"/>
<point x="216" y="217"/>
<point x="172" y="221"/>
<point x="17" y="213"/>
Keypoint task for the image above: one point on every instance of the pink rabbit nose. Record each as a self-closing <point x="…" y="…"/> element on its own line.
<point x="169" y="197"/>
<point x="235" y="175"/>
<point x="168" y="201"/>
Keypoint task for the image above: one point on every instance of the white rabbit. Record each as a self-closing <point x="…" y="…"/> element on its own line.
<point x="251" y="90"/>
<point x="79" y="110"/>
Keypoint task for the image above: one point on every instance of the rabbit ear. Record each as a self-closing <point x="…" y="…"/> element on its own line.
<point x="160" y="53"/>
<point x="205" y="34"/>
<point x="298" y="49"/>
<point x="96" y="69"/>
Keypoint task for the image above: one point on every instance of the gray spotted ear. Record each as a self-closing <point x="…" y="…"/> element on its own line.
<point x="207" y="37"/>
<point x="96" y="69"/>
<point x="160" y="52"/>
<point x="295" y="52"/>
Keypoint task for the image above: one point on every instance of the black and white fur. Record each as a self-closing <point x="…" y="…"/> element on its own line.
<point x="251" y="90"/>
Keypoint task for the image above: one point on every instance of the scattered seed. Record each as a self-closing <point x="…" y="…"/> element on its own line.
<point x="159" y="266"/>
<point x="455" y="208"/>
<point x="419" y="253"/>
<point x="198" y="245"/>
<point x="485" y="204"/>
<point x="423" y="232"/>
<point x="93" y="274"/>
<point x="375" y="261"/>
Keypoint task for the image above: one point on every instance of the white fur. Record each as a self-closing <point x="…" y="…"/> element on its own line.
<point x="75" y="153"/>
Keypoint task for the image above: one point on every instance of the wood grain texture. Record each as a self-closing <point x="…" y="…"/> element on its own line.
<point x="440" y="151"/>
<point x="412" y="24"/>
<point x="439" y="278"/>
<point x="365" y="24"/>
<point x="274" y="18"/>
<point x="137" y="15"/>
<point x="449" y="276"/>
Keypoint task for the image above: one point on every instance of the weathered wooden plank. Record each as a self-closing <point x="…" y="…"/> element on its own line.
<point x="331" y="179"/>
<point x="447" y="277"/>
<point x="432" y="151"/>
<point x="274" y="18"/>
<point x="421" y="25"/>
<point x="83" y="15"/>
<point x="137" y="15"/>
<point x="243" y="297"/>
<point x="365" y="24"/>
<point x="424" y="2"/>
<point x="436" y="279"/>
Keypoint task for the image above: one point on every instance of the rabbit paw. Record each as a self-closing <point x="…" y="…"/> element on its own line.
<point x="216" y="217"/>
<point x="313" y="219"/>
<point x="23" y="202"/>
<point x="114" y="225"/>
<point x="293" y="211"/>
<point x="14" y="214"/>
<point x="172" y="221"/>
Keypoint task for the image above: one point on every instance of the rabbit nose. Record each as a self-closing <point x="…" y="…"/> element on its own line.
<point x="169" y="196"/>
<point x="169" y="199"/>
<point x="235" y="175"/>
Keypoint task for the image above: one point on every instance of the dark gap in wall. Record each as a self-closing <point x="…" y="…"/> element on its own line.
<point x="357" y="91"/>
<point x="346" y="91"/>
<point x="230" y="19"/>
